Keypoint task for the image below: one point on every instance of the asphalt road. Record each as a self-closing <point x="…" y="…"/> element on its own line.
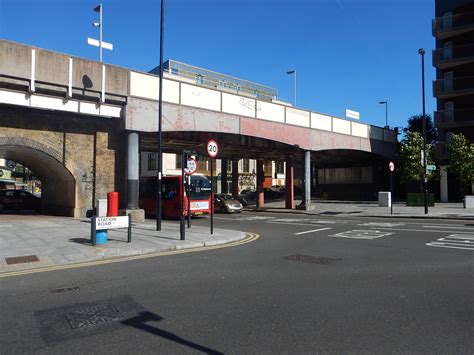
<point x="308" y="284"/>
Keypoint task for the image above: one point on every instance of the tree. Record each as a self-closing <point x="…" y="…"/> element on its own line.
<point x="415" y="124"/>
<point x="461" y="160"/>
<point x="409" y="158"/>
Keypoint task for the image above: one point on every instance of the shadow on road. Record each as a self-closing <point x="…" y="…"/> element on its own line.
<point x="140" y="322"/>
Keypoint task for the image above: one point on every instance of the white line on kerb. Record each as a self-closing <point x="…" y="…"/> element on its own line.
<point x="311" y="231"/>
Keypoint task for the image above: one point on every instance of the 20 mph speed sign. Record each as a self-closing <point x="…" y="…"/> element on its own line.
<point x="212" y="149"/>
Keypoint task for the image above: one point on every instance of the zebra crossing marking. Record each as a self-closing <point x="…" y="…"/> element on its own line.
<point x="454" y="241"/>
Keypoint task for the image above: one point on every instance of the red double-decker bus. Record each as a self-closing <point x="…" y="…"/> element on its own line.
<point x="199" y="193"/>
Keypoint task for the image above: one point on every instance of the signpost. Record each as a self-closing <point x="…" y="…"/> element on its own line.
<point x="391" y="167"/>
<point x="190" y="169"/>
<point x="430" y="169"/>
<point x="212" y="150"/>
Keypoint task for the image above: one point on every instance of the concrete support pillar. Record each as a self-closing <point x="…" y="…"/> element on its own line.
<point x="235" y="179"/>
<point x="260" y="179"/>
<point x="224" y="186"/>
<point x="443" y="183"/>
<point x="132" y="177"/>
<point x="289" y="183"/>
<point x="306" y="181"/>
<point x="132" y="171"/>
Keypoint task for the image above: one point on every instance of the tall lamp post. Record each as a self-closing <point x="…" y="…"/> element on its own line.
<point x="294" y="85"/>
<point x="421" y="51"/>
<point x="386" y="111"/>
<point x="159" y="205"/>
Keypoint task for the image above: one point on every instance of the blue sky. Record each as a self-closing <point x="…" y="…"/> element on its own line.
<point x="347" y="53"/>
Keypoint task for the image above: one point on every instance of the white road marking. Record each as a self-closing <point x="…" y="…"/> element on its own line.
<point x="445" y="226"/>
<point x="292" y="224"/>
<point x="314" y="230"/>
<point x="375" y="224"/>
<point x="361" y="234"/>
<point x="454" y="241"/>
<point x="421" y="230"/>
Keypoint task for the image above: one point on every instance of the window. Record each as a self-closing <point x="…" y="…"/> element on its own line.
<point x="179" y="158"/>
<point x="246" y="165"/>
<point x="152" y="162"/>
<point x="279" y="167"/>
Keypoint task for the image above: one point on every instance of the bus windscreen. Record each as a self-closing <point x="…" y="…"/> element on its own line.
<point x="200" y="187"/>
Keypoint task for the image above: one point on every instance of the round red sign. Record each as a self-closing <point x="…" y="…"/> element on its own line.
<point x="212" y="148"/>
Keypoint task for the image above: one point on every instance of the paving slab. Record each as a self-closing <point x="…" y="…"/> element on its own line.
<point x="371" y="209"/>
<point x="62" y="241"/>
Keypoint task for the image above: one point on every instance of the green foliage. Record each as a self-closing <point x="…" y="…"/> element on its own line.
<point x="409" y="158"/>
<point x="461" y="158"/>
<point x="415" y="124"/>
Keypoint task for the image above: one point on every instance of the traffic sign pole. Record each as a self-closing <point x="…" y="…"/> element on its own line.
<point x="212" y="199"/>
<point x="391" y="192"/>
<point x="188" y="188"/>
<point x="212" y="150"/>
<point x="391" y="167"/>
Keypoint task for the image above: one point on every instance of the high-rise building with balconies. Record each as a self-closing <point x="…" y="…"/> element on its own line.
<point x="453" y="88"/>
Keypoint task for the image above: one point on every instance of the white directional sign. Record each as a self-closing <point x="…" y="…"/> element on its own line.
<point x="96" y="43"/>
<point x="191" y="166"/>
<point x="212" y="148"/>
<point x="352" y="114"/>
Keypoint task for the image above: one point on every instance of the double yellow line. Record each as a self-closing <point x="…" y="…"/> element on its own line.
<point x="249" y="237"/>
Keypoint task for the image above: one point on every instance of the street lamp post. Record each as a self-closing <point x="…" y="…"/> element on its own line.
<point x="294" y="85"/>
<point x="159" y="205"/>
<point x="386" y="111"/>
<point x="421" y="51"/>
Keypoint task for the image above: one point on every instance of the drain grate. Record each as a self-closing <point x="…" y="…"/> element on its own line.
<point x="21" y="259"/>
<point x="93" y="316"/>
<point x="310" y="259"/>
<point x="65" y="289"/>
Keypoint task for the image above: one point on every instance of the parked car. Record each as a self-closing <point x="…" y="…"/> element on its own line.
<point x="18" y="200"/>
<point x="247" y="197"/>
<point x="225" y="203"/>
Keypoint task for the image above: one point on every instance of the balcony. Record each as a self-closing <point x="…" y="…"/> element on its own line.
<point x="447" y="119"/>
<point x="453" y="25"/>
<point x="449" y="57"/>
<point x="449" y="88"/>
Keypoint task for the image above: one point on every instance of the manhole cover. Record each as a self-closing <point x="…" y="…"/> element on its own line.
<point x="93" y="316"/>
<point x="21" y="259"/>
<point x="310" y="259"/>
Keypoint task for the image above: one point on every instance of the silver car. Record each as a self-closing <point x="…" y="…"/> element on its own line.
<point x="225" y="203"/>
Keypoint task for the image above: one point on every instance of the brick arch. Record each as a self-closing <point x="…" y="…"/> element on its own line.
<point x="30" y="143"/>
<point x="58" y="182"/>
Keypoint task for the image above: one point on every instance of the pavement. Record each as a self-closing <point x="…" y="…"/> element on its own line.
<point x="319" y="207"/>
<point x="59" y="241"/>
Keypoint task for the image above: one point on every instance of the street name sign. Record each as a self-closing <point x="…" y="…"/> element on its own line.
<point x="111" y="222"/>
